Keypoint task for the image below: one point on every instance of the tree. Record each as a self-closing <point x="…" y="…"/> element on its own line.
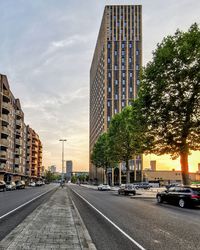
<point x="124" y="140"/>
<point x="169" y="97"/>
<point x="101" y="156"/>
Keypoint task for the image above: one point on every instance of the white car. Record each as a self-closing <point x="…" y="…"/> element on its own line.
<point x="32" y="184"/>
<point x="104" y="187"/>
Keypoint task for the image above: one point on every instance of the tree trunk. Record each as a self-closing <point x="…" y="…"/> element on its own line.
<point x="135" y="168"/>
<point x="105" y="181"/>
<point x="127" y="172"/>
<point x="184" y="168"/>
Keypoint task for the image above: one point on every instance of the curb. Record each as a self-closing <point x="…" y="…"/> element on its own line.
<point x="84" y="237"/>
<point x="142" y="197"/>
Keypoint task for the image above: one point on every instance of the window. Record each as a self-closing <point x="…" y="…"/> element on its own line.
<point x="116" y="67"/>
<point x="108" y="104"/>
<point x="123" y="104"/>
<point x="123" y="89"/>
<point x="108" y="45"/>
<point x="123" y="97"/>
<point x="116" y="97"/>
<point x="116" y="82"/>
<point x="123" y="82"/>
<point x="123" y="60"/>
<point x="137" y="67"/>
<point x="122" y="45"/>
<point x="123" y="67"/>
<point x="123" y="52"/>
<point x="131" y="74"/>
<point x="115" y="52"/>
<point x="108" y="118"/>
<point x="109" y="89"/>
<point x="108" y="60"/>
<point x="109" y="74"/>
<point x="115" y="111"/>
<point x="137" y="52"/>
<point x="130" y="45"/>
<point x="123" y="74"/>
<point x="138" y="82"/>
<point x="131" y="89"/>
<point x="130" y="59"/>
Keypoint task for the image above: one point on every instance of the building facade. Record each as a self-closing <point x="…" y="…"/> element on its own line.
<point x="115" y="69"/>
<point x="16" y="156"/>
<point x="69" y="170"/>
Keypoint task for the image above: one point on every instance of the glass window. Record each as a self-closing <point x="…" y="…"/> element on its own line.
<point x="138" y="82"/>
<point x="131" y="74"/>
<point x="108" y="60"/>
<point x="123" y="82"/>
<point x="130" y="45"/>
<point x="123" y="74"/>
<point x="131" y="89"/>
<point x="116" y="97"/>
<point x="108" y="104"/>
<point x="130" y="59"/>
<point x="137" y="67"/>
<point x="137" y="52"/>
<point x="116" y="82"/>
<point x="123" y="104"/>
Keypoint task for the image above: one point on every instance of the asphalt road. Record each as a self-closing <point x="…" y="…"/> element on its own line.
<point x="11" y="200"/>
<point x="142" y="222"/>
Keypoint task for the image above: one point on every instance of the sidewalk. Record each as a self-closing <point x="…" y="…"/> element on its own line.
<point x="55" y="224"/>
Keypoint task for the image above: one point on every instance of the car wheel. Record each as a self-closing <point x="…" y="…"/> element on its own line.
<point x="159" y="199"/>
<point x="181" y="203"/>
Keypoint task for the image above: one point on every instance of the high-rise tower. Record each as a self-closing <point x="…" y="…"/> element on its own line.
<point x="115" y="69"/>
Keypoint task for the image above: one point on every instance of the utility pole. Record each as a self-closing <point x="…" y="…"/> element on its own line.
<point x="63" y="141"/>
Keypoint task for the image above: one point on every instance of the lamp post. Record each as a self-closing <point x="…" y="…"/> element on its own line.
<point x="63" y="141"/>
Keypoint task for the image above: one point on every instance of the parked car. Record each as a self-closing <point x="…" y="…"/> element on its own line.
<point x="184" y="196"/>
<point x="2" y="185"/>
<point x="127" y="189"/>
<point x="32" y="184"/>
<point x="20" y="184"/>
<point x="39" y="183"/>
<point x="144" y="185"/>
<point x="10" y="185"/>
<point x="104" y="187"/>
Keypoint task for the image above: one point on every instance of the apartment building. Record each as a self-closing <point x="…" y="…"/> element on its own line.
<point x="115" y="69"/>
<point x="15" y="152"/>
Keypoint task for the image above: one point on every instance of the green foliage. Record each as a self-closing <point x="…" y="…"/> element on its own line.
<point x="51" y="177"/>
<point x="74" y="179"/>
<point x="124" y="137"/>
<point x="169" y="97"/>
<point x="101" y="156"/>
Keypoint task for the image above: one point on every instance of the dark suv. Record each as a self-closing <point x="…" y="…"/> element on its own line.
<point x="181" y="195"/>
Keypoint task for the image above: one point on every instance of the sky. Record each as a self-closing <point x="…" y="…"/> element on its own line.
<point x="46" y="50"/>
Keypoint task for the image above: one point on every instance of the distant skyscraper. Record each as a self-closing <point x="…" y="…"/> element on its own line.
<point x="114" y="73"/>
<point x="69" y="170"/>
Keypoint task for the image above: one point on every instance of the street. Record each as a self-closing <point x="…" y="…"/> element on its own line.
<point x="16" y="205"/>
<point x="135" y="224"/>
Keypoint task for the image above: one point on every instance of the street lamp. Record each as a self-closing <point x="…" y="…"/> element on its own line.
<point x="63" y="141"/>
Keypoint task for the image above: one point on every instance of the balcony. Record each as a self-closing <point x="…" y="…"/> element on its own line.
<point x="18" y="132"/>
<point x="4" y="142"/>
<point x="18" y="123"/>
<point x="18" y="151"/>
<point x="5" y="118"/>
<point x="19" y="113"/>
<point x="17" y="161"/>
<point x="3" y="166"/>
<point x="6" y="94"/>
<point x="3" y="155"/>
<point x="6" y="106"/>
<point x="5" y="130"/>
<point x="18" y="142"/>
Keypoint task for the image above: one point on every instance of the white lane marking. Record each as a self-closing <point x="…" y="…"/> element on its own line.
<point x="24" y="204"/>
<point x="105" y="217"/>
